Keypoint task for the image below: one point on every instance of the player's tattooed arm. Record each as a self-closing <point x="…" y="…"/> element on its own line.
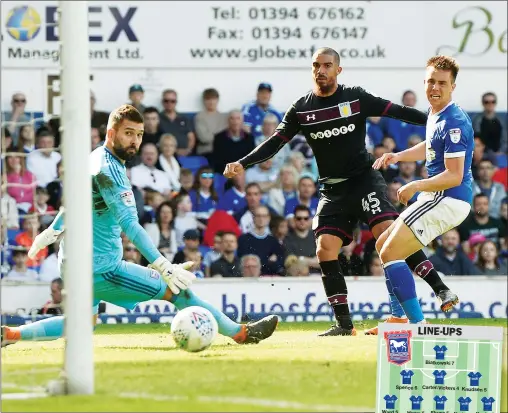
<point x="376" y="106"/>
<point x="288" y="128"/>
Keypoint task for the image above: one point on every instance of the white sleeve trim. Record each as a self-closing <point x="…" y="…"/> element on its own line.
<point x="455" y="154"/>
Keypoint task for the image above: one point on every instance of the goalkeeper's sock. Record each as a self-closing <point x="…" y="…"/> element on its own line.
<point x="43" y="330"/>
<point x="227" y="327"/>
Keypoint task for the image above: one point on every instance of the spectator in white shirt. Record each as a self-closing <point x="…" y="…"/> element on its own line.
<point x="43" y="161"/>
<point x="167" y="161"/>
<point x="146" y="175"/>
<point x="20" y="272"/>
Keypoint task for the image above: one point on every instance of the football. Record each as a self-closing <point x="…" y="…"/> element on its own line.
<point x="194" y="329"/>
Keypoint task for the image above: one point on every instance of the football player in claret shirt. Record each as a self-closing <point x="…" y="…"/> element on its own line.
<point x="332" y="118"/>
<point x="445" y="199"/>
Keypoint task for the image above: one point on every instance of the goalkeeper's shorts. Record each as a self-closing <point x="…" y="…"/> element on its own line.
<point x="127" y="285"/>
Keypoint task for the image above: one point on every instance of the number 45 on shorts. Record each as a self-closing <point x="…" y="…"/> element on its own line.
<point x="371" y="203"/>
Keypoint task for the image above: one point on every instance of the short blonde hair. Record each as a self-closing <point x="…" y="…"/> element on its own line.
<point x="167" y="137"/>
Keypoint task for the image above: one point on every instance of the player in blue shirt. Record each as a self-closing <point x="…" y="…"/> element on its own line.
<point x="416" y="402"/>
<point x="445" y="197"/>
<point x="440" y="352"/>
<point x="255" y="112"/>
<point x="464" y="403"/>
<point x="439" y="376"/>
<point x="474" y="378"/>
<point x="114" y="280"/>
<point x="487" y="403"/>
<point x="390" y="401"/>
<point x="440" y="402"/>
<point x="406" y="376"/>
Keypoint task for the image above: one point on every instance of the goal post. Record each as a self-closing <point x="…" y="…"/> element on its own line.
<point x="76" y="145"/>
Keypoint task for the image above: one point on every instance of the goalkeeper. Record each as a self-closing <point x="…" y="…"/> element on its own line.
<point x="114" y="280"/>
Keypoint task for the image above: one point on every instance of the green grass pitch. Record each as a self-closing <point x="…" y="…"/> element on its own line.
<point x="138" y="368"/>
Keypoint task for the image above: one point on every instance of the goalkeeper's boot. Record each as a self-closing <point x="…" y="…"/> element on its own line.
<point x="9" y="336"/>
<point x="448" y="300"/>
<point x="337" y="330"/>
<point x="373" y="331"/>
<point x="256" y="331"/>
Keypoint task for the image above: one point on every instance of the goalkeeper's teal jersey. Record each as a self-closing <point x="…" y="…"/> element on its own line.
<point x="114" y="211"/>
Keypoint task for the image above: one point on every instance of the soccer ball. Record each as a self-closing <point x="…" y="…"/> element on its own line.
<point x="194" y="329"/>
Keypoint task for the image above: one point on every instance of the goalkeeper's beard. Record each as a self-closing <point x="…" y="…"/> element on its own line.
<point x="123" y="153"/>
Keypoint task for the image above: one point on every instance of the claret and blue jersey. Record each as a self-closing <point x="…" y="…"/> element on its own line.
<point x="450" y="135"/>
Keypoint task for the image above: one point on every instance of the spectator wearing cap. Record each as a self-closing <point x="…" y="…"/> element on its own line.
<point x="177" y="125"/>
<point x="16" y="115"/>
<point x="191" y="245"/>
<point x="485" y="185"/>
<point x="136" y="96"/>
<point x="152" y="132"/>
<point x="231" y="144"/>
<point x="490" y="127"/>
<point x="44" y="160"/>
<point x="228" y="264"/>
<point x="474" y="242"/>
<point x="208" y="123"/>
<point x="255" y="112"/>
<point x="20" y="272"/>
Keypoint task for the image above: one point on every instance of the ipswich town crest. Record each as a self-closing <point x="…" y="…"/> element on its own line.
<point x="398" y="346"/>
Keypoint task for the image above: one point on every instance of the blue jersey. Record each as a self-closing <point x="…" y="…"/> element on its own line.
<point x="292" y="203"/>
<point x="474" y="378"/>
<point x="390" y="401"/>
<point x="439" y="376"/>
<point x="440" y="402"/>
<point x="416" y="402"/>
<point x="406" y="376"/>
<point x="487" y="403"/>
<point x="450" y="135"/>
<point x="253" y="116"/>
<point x="203" y="206"/>
<point x="232" y="201"/>
<point x="440" y="352"/>
<point x="464" y="403"/>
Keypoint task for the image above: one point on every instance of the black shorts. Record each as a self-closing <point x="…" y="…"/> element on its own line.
<point x="361" y="198"/>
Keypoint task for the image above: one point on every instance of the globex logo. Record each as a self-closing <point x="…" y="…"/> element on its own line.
<point x="23" y="23"/>
<point x="110" y="33"/>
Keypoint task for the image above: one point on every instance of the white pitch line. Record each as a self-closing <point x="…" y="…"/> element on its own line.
<point x="283" y="404"/>
<point x="23" y="396"/>
<point x="24" y="388"/>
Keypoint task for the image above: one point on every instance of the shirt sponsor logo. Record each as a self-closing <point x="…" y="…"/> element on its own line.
<point x="328" y="133"/>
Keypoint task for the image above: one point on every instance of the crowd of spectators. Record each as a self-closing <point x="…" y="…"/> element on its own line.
<point x="258" y="223"/>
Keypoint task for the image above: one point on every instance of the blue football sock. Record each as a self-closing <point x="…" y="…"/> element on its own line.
<point x="396" y="308"/>
<point x="403" y="286"/>
<point x="43" y="330"/>
<point x="187" y="298"/>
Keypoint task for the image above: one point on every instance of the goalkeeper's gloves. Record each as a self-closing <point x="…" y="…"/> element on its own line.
<point x="45" y="238"/>
<point x="176" y="276"/>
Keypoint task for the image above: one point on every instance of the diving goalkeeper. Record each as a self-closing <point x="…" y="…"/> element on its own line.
<point x="116" y="281"/>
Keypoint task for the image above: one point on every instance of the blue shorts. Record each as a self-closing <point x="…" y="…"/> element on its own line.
<point x="127" y="285"/>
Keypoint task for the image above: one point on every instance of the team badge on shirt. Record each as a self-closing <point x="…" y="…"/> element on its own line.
<point x="127" y="198"/>
<point x="455" y="135"/>
<point x="398" y="346"/>
<point x="345" y="109"/>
